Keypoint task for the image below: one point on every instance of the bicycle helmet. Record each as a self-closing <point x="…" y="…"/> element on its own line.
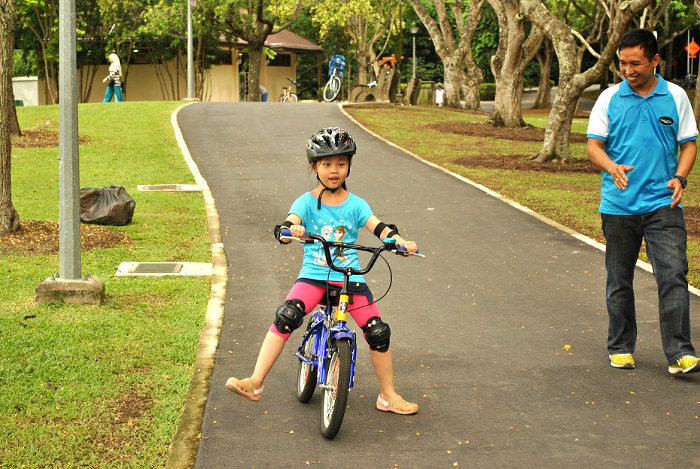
<point x="330" y="141"/>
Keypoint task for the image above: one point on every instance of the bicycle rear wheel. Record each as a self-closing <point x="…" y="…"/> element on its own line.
<point x="306" y="375"/>
<point x="332" y="88"/>
<point x="336" y="389"/>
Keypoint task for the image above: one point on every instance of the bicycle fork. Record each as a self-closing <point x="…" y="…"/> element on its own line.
<point x="324" y="330"/>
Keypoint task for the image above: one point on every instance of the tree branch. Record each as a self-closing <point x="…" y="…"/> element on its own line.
<point x="585" y="43"/>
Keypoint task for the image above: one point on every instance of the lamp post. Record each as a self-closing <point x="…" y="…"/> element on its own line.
<point x="67" y="285"/>
<point x="414" y="31"/>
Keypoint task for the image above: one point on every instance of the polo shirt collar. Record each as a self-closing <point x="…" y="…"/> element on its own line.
<point x="660" y="88"/>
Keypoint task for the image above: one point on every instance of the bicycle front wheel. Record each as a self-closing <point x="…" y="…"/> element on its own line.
<point x="332" y="88"/>
<point x="290" y="98"/>
<point x="306" y="375"/>
<point x="336" y="389"/>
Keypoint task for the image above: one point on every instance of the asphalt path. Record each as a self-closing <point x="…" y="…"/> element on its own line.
<point x="499" y="334"/>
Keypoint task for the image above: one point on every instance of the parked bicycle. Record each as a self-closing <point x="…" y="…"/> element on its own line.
<point x="328" y="349"/>
<point x="288" y="95"/>
<point x="336" y="67"/>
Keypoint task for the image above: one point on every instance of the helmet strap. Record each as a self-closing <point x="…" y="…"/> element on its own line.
<point x="326" y="188"/>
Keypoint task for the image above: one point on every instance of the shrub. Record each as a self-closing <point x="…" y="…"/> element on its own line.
<point x="488" y="91"/>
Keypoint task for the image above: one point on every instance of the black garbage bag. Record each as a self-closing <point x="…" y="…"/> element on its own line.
<point x="107" y="206"/>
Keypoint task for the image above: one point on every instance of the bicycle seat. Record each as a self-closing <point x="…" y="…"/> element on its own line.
<point x="330" y="298"/>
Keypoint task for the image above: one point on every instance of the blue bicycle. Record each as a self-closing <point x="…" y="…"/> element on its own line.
<point x="336" y="67"/>
<point x="328" y="349"/>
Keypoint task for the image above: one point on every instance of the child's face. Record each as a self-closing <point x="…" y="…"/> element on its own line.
<point x="333" y="170"/>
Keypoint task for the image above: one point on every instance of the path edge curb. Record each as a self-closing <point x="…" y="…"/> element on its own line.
<point x="183" y="449"/>
<point x="581" y="237"/>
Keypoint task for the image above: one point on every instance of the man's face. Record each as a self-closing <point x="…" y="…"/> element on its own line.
<point x="636" y="67"/>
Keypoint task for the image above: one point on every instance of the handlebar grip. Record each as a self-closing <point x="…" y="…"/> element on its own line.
<point x="286" y="232"/>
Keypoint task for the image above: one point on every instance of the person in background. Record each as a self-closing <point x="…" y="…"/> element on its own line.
<point x="263" y="93"/>
<point x="439" y="95"/>
<point x="113" y="80"/>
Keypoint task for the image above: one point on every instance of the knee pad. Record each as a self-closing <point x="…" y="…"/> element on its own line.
<point x="377" y="334"/>
<point x="290" y="316"/>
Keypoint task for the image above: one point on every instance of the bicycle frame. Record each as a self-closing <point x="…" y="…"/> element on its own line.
<point x="326" y="328"/>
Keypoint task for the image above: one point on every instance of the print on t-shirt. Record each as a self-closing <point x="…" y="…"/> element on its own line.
<point x="332" y="233"/>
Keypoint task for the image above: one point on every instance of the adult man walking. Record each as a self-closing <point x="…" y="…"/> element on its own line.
<point x="634" y="133"/>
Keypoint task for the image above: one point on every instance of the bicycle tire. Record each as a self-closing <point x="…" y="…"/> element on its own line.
<point x="337" y="388"/>
<point x="290" y="98"/>
<point x="332" y="88"/>
<point x="306" y="374"/>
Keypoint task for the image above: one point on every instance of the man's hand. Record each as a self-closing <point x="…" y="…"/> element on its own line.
<point x="677" y="188"/>
<point x="619" y="175"/>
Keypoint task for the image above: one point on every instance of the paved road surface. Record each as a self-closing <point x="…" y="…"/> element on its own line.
<point x="528" y="100"/>
<point x="499" y="334"/>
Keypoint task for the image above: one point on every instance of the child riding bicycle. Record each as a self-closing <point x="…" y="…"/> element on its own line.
<point x="328" y="210"/>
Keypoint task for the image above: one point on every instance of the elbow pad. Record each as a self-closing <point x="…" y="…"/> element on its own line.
<point x="380" y="228"/>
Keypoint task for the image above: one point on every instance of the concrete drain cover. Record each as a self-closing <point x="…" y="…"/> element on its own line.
<point x="170" y="188"/>
<point x="158" y="269"/>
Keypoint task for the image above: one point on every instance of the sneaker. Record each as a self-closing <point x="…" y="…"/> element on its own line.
<point x="686" y="364"/>
<point x="621" y="360"/>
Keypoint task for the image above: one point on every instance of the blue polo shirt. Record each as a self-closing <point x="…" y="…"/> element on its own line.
<point x="644" y="133"/>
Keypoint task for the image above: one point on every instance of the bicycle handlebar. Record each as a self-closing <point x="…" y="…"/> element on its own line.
<point x="291" y="81"/>
<point x="388" y="245"/>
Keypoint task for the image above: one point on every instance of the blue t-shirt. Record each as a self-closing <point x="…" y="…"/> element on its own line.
<point x="337" y="222"/>
<point x="644" y="133"/>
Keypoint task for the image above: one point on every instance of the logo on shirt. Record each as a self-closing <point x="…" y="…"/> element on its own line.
<point x="665" y="120"/>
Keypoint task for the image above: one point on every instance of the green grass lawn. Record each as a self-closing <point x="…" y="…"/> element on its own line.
<point x="570" y="198"/>
<point x="102" y="386"/>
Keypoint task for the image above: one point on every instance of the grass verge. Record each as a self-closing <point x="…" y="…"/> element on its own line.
<point x="568" y="197"/>
<point x="102" y="386"/>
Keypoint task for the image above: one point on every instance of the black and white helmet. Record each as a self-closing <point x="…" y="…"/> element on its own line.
<point x="330" y="141"/>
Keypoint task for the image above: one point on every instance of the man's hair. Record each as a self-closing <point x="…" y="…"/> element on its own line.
<point x="640" y="38"/>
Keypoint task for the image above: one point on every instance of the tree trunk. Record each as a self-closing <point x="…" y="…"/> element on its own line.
<point x="455" y="56"/>
<point x="471" y="89"/>
<point x="544" y="59"/>
<point x="9" y="219"/>
<point x="362" y="63"/>
<point x="697" y="103"/>
<point x="507" y="106"/>
<point x="14" y="122"/>
<point x="572" y="81"/>
<point x="453" y="81"/>
<point x="87" y="74"/>
<point x="255" y="52"/>
<point x="513" y="55"/>
<point x="556" y="136"/>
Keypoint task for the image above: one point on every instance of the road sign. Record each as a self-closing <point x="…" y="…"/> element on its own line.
<point x="693" y="48"/>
